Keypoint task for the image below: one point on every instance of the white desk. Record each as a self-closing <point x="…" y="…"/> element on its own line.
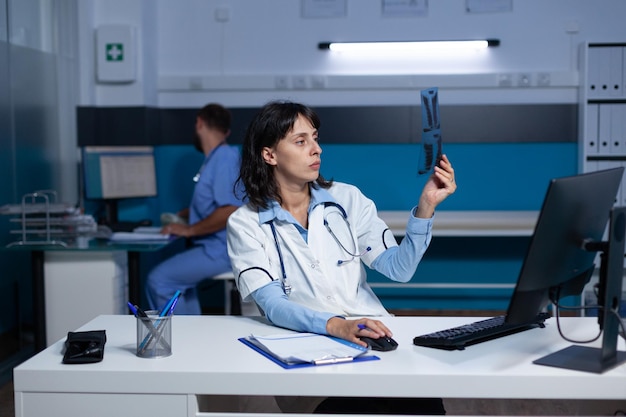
<point x="208" y="359"/>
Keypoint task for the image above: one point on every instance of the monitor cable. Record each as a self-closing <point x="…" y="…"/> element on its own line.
<point x="620" y="321"/>
<point x="614" y="310"/>
<point x="559" y="307"/>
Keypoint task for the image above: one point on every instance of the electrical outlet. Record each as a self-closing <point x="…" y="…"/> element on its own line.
<point x="281" y="82"/>
<point x="195" y="83"/>
<point x="299" y="82"/>
<point x="505" y="80"/>
<point x="543" y="79"/>
<point x="524" y="80"/>
<point x="318" y="81"/>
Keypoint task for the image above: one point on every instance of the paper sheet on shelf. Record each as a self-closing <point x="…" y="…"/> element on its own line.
<point x="135" y="237"/>
<point x="147" y="229"/>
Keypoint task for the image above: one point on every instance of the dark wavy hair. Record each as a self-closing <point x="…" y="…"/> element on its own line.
<point x="270" y="125"/>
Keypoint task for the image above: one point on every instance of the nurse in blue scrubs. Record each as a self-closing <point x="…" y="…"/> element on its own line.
<point x="213" y="200"/>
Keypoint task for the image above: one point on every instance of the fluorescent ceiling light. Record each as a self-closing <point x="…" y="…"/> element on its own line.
<point x="408" y="46"/>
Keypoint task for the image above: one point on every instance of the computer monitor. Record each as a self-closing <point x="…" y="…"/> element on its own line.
<point x="561" y="258"/>
<point x="111" y="173"/>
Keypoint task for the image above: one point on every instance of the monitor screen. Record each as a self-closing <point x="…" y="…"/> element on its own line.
<point x="575" y="211"/>
<point x="114" y="172"/>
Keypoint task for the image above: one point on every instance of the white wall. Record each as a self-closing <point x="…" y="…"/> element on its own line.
<point x="189" y="56"/>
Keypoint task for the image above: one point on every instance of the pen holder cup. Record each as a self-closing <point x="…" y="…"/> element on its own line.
<point x="154" y="335"/>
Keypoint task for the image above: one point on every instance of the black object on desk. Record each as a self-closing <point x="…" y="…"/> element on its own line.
<point x="84" y="347"/>
<point x="476" y="332"/>
<point x="382" y="344"/>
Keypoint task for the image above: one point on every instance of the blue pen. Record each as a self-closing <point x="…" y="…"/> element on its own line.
<point x="171" y="311"/>
<point x="361" y="326"/>
<point x="167" y="307"/>
<point x="132" y="308"/>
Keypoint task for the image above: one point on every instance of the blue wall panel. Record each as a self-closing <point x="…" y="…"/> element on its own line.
<point x="500" y="176"/>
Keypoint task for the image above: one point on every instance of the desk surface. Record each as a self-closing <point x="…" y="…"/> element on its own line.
<point x="95" y="245"/>
<point x="208" y="359"/>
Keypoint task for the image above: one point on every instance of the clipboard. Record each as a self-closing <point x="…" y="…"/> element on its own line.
<point x="250" y="342"/>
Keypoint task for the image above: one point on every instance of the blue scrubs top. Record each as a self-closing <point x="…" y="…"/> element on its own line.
<point x="214" y="189"/>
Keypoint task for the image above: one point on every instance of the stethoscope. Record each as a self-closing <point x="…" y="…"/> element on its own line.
<point x="196" y="177"/>
<point x="344" y="216"/>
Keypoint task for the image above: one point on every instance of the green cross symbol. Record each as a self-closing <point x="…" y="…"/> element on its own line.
<point x="115" y="51"/>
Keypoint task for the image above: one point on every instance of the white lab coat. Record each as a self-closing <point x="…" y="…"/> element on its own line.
<point x="312" y="270"/>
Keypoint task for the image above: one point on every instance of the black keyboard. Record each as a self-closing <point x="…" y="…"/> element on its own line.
<point x="456" y="338"/>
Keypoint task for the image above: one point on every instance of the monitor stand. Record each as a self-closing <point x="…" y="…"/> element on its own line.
<point x="582" y="358"/>
<point x="599" y="360"/>
<point x="110" y="212"/>
<point x="111" y="219"/>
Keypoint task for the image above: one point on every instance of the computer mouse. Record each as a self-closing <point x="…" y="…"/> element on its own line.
<point x="382" y="344"/>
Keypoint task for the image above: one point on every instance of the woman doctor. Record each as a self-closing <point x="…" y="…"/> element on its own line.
<point x="296" y="246"/>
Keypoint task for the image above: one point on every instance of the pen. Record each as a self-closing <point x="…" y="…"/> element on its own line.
<point x="171" y="311"/>
<point x="361" y="326"/>
<point x="332" y="360"/>
<point x="140" y="312"/>
<point x="132" y="308"/>
<point x="167" y="307"/>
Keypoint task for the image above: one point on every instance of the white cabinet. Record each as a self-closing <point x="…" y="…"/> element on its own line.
<point x="80" y="286"/>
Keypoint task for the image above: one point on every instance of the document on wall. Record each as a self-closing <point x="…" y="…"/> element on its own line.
<point x="306" y="348"/>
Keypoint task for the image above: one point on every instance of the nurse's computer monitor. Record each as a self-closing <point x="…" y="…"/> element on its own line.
<point x="569" y="234"/>
<point x="111" y="173"/>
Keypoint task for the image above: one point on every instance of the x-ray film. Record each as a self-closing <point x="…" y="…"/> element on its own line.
<point x="430" y="151"/>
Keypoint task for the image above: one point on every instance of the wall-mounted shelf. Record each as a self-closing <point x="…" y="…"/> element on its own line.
<point x="249" y="82"/>
<point x="469" y="223"/>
